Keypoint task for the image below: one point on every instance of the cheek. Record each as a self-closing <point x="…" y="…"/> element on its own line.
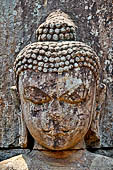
<point x="57" y="129"/>
<point x="68" y="117"/>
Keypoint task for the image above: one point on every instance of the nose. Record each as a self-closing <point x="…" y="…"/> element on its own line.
<point x="54" y="115"/>
<point x="55" y="107"/>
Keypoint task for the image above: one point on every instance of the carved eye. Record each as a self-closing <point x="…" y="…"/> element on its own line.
<point x="35" y="95"/>
<point x="74" y="96"/>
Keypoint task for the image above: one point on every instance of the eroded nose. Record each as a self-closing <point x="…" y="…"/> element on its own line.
<point x="55" y="106"/>
<point x="54" y="116"/>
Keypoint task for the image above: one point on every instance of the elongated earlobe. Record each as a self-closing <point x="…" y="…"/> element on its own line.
<point x="23" y="139"/>
<point x="23" y="132"/>
<point x="92" y="138"/>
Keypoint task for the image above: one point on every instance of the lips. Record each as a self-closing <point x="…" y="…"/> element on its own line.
<point x="57" y="132"/>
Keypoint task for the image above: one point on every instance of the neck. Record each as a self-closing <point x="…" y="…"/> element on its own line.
<point x="60" y="153"/>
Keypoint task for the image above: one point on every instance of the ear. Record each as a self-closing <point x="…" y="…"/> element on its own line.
<point x="92" y="138"/>
<point x="23" y="132"/>
<point x="15" y="96"/>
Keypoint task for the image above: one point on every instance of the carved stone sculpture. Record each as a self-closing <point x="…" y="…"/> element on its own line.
<point x="61" y="94"/>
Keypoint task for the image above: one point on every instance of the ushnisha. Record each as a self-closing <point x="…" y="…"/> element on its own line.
<point x="56" y="49"/>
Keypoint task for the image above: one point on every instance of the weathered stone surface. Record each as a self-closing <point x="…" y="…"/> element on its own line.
<point x="77" y="160"/>
<point x="8" y="153"/>
<point x="61" y="104"/>
<point x="16" y="162"/>
<point x="19" y="20"/>
<point x="104" y="151"/>
<point x="59" y="110"/>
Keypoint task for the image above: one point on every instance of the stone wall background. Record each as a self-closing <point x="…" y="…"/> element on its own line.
<point x="18" y="22"/>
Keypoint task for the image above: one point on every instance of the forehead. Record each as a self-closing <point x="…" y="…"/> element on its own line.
<point x="65" y="81"/>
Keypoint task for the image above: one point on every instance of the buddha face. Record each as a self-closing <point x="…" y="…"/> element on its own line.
<point x="57" y="108"/>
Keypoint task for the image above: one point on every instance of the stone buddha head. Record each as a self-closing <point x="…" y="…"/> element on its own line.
<point x="59" y="87"/>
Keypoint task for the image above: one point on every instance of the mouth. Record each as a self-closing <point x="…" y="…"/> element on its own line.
<point x="57" y="132"/>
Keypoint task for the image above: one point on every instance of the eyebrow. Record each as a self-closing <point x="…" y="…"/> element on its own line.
<point x="36" y="89"/>
<point x="53" y="96"/>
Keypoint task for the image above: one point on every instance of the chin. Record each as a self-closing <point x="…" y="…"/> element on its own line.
<point x="56" y="143"/>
